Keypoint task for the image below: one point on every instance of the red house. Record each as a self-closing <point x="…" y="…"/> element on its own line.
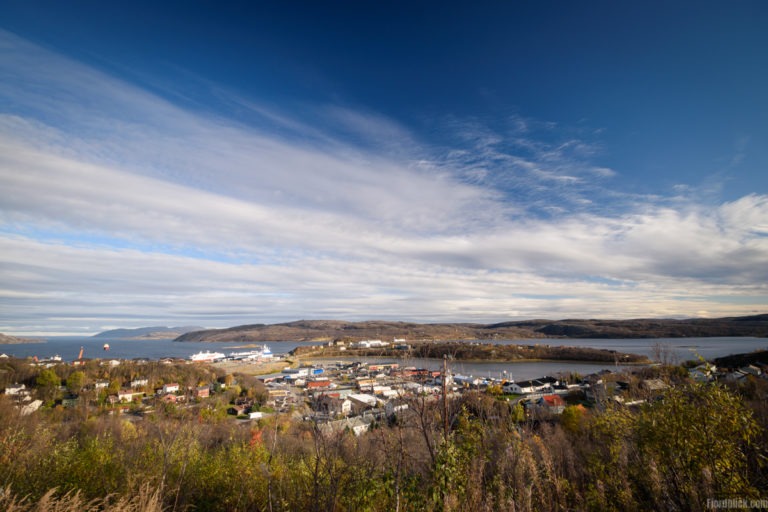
<point x="553" y="403"/>
<point x="318" y="384"/>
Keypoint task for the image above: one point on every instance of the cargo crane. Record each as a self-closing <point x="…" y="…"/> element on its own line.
<point x="79" y="360"/>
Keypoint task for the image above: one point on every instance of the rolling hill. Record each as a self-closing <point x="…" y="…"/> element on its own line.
<point x="327" y="330"/>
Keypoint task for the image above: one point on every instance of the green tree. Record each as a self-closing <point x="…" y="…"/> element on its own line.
<point x="518" y="413"/>
<point x="572" y="418"/>
<point x="114" y="387"/>
<point x="48" y="383"/>
<point x="694" y="444"/>
<point x="76" y="381"/>
<point x="494" y="390"/>
<point x="608" y="452"/>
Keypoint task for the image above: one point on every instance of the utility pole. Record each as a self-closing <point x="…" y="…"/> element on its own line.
<point x="445" y="396"/>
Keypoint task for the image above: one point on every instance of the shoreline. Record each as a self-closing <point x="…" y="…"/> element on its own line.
<point x="490" y="361"/>
<point x="24" y="341"/>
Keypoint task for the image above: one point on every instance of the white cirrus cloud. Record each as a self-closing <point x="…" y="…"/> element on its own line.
<point x="119" y="207"/>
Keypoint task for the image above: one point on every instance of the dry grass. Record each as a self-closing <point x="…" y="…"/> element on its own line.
<point x="251" y="368"/>
<point x="146" y="500"/>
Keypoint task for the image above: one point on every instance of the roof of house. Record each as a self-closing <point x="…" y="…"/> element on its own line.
<point x="366" y="399"/>
<point x="318" y="383"/>
<point x="528" y="383"/>
<point x="553" y="400"/>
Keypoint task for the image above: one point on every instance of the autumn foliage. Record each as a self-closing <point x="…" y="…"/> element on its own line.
<point x="697" y="442"/>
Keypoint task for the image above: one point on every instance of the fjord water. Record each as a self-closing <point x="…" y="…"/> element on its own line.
<point x="68" y="348"/>
<point x="678" y="350"/>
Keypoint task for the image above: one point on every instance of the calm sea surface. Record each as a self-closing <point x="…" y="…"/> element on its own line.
<point x="68" y="348"/>
<point x="680" y="349"/>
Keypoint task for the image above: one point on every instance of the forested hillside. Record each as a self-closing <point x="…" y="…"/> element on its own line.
<point x="326" y="330"/>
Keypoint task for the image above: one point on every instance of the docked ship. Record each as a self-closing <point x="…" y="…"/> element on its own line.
<point x="206" y="357"/>
<point x="261" y="354"/>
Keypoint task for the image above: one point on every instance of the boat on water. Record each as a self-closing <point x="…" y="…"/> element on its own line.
<point x="207" y="357"/>
<point x="260" y="354"/>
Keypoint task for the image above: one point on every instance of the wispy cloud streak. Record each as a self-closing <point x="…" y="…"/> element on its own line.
<point x="123" y="205"/>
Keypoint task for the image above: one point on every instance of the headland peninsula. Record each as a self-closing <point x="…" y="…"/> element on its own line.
<point x="148" y="333"/>
<point x="339" y="330"/>
<point x="7" y="339"/>
<point x="468" y="351"/>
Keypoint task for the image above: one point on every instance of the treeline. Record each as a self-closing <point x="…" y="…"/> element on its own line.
<point x="476" y="351"/>
<point x="698" y="442"/>
<point x="496" y="352"/>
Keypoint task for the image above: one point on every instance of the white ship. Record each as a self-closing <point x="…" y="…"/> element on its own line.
<point x="253" y="355"/>
<point x="206" y="357"/>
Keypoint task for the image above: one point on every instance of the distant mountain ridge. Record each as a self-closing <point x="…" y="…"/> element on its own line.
<point x="154" y="332"/>
<point x="328" y="330"/>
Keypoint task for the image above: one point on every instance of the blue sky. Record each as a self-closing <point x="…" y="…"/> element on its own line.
<point x="191" y="163"/>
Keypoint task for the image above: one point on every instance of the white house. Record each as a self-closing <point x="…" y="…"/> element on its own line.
<point x="386" y="392"/>
<point x="334" y="405"/>
<point x="703" y="373"/>
<point x="20" y="392"/>
<point x="525" y="387"/>
<point x="170" y="388"/>
<point x="139" y="383"/>
<point x="295" y="373"/>
<point x="395" y="406"/>
<point x="361" y="402"/>
<point x="126" y="395"/>
<point x="371" y="344"/>
<point x="16" y="389"/>
<point x="421" y="389"/>
<point x="30" y="407"/>
<point x="356" y="425"/>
